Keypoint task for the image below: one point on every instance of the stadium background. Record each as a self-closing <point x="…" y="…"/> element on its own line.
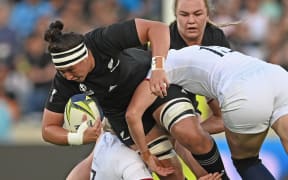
<point x="24" y="155"/>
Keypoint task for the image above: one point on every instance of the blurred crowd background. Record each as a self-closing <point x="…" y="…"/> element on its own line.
<point x="261" y="30"/>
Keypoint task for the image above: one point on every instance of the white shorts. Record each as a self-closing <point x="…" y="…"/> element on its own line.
<point x="254" y="101"/>
<point x="114" y="161"/>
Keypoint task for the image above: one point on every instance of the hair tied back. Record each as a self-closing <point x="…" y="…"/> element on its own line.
<point x="54" y="31"/>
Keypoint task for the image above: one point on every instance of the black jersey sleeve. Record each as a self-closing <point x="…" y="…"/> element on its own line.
<point x="214" y="36"/>
<point x="114" y="38"/>
<point x="60" y="92"/>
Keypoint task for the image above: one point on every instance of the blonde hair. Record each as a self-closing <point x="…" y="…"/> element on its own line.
<point x="222" y="25"/>
<point x="208" y="5"/>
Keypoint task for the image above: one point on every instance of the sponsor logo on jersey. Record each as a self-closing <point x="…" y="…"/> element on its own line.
<point x="54" y="91"/>
<point x="111" y="65"/>
<point x="122" y="134"/>
<point x="83" y="88"/>
<point x="183" y="91"/>
<point x="112" y="87"/>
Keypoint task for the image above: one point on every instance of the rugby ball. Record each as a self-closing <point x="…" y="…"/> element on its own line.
<point x="78" y="109"/>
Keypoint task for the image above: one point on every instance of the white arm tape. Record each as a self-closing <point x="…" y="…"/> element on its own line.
<point x="75" y="138"/>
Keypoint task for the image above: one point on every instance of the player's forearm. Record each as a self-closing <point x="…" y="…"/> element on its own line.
<point x="213" y="125"/>
<point x="157" y="33"/>
<point x="55" y="135"/>
<point x="137" y="133"/>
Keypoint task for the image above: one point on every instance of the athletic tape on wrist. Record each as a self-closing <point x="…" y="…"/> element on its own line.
<point x="157" y="63"/>
<point x="75" y="138"/>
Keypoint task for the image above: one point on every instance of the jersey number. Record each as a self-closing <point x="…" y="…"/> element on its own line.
<point x="92" y="174"/>
<point x="220" y="51"/>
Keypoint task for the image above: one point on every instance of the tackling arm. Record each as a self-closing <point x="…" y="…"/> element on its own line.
<point x="53" y="132"/>
<point x="213" y="124"/>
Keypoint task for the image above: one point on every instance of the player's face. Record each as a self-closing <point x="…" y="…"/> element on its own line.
<point x="77" y="72"/>
<point x="191" y="18"/>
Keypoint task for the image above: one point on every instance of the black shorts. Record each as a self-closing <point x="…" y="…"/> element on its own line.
<point x="118" y="122"/>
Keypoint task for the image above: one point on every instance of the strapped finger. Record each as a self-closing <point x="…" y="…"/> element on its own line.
<point x="163" y="89"/>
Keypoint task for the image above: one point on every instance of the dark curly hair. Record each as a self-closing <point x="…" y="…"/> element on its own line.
<point x="59" y="41"/>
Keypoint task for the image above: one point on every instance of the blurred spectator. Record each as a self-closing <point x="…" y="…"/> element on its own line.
<point x="103" y="12"/>
<point x="74" y="16"/>
<point x="7" y="99"/>
<point x="9" y="48"/>
<point x="57" y="6"/>
<point x="5" y="123"/>
<point x="280" y="56"/>
<point x="17" y="84"/>
<point x="271" y="8"/>
<point x="272" y="42"/>
<point x="250" y="34"/>
<point x="139" y="8"/>
<point x="25" y="14"/>
<point x="42" y="24"/>
<point x="224" y="14"/>
<point x="284" y="6"/>
<point x="39" y="70"/>
<point x="9" y="44"/>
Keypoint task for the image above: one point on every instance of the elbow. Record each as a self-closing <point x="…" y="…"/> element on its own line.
<point x="45" y="134"/>
<point x="131" y="116"/>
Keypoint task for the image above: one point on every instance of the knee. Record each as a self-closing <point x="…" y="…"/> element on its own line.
<point x="192" y="140"/>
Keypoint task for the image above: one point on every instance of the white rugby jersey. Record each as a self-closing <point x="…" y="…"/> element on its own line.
<point x="207" y="70"/>
<point x="239" y="82"/>
<point x="114" y="161"/>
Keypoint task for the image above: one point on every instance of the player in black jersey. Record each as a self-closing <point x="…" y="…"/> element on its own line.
<point x="98" y="65"/>
<point x="194" y="27"/>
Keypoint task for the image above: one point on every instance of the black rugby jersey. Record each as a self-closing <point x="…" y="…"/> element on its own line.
<point x="115" y="77"/>
<point x="111" y="67"/>
<point x="213" y="36"/>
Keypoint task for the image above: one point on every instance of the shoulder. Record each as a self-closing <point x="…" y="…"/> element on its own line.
<point x="114" y="38"/>
<point x="212" y="28"/>
<point x="214" y="36"/>
<point x="176" y="41"/>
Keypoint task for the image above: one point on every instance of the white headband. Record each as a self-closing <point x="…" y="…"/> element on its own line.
<point x="70" y="57"/>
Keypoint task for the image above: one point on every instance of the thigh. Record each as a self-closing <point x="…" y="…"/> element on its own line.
<point x="244" y="145"/>
<point x="281" y="129"/>
<point x="175" y="107"/>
